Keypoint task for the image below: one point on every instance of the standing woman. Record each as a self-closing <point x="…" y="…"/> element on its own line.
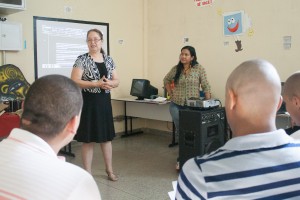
<point x="185" y="81"/>
<point x="95" y="73"/>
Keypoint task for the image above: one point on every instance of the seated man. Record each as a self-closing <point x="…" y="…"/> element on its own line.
<point x="30" y="168"/>
<point x="291" y="97"/>
<point x="259" y="162"/>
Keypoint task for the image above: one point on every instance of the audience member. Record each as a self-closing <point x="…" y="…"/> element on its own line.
<point x="30" y="168"/>
<point x="259" y="162"/>
<point x="291" y="97"/>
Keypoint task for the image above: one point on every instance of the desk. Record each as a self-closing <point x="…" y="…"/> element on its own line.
<point x="147" y="110"/>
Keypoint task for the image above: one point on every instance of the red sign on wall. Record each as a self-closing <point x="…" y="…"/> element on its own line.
<point x="202" y="3"/>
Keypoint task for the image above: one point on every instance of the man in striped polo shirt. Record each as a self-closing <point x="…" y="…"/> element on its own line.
<point x="259" y="162"/>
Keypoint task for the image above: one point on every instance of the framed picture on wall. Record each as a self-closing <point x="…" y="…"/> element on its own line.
<point x="58" y="42"/>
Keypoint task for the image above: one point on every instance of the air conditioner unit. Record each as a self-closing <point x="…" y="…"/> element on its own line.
<point x="12" y="6"/>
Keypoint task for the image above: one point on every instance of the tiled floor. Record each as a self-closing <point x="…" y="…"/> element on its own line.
<point x="144" y="162"/>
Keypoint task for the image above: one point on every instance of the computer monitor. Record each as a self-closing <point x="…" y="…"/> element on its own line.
<point x="141" y="89"/>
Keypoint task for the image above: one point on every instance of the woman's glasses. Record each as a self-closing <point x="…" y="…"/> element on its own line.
<point x="93" y="40"/>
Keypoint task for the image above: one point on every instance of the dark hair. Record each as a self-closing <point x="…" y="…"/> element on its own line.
<point x="100" y="35"/>
<point x="50" y="103"/>
<point x="179" y="67"/>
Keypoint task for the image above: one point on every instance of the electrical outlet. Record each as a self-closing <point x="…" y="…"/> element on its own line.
<point x="68" y="9"/>
<point x="120" y="41"/>
<point x="226" y="43"/>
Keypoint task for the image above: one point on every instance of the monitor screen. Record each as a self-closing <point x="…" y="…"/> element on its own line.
<point x="139" y="88"/>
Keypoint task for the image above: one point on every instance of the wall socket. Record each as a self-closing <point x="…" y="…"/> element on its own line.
<point x="68" y="9"/>
<point x="287" y="42"/>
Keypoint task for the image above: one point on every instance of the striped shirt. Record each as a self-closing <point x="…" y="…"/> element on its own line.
<point x="188" y="85"/>
<point x="256" y="166"/>
<point x="91" y="72"/>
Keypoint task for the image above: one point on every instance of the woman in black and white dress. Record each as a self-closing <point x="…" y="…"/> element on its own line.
<point x="95" y="73"/>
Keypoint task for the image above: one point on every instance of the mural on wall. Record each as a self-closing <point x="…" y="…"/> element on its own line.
<point x="13" y="84"/>
<point x="236" y="24"/>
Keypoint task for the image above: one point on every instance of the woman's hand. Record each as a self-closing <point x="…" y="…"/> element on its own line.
<point x="169" y="89"/>
<point x="207" y="95"/>
<point x="107" y="84"/>
<point x="104" y="83"/>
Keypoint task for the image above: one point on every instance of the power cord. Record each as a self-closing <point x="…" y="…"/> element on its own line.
<point x="219" y="102"/>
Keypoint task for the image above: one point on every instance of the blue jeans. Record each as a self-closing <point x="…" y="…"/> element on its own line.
<point x="174" y="111"/>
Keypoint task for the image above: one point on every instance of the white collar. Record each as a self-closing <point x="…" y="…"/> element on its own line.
<point x="32" y="141"/>
<point x="259" y="140"/>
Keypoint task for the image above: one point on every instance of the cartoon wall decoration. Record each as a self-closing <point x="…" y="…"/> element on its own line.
<point x="13" y="84"/>
<point x="236" y="24"/>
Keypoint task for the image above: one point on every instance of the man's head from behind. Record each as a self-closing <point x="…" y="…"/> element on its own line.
<point x="291" y="96"/>
<point x="253" y="97"/>
<point x="50" y="103"/>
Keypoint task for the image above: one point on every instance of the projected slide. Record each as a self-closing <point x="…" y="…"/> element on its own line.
<point x="58" y="42"/>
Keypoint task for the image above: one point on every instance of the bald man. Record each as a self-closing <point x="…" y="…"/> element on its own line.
<point x="291" y="97"/>
<point x="259" y="162"/>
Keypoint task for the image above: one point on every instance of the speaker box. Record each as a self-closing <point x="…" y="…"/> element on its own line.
<point x="201" y="132"/>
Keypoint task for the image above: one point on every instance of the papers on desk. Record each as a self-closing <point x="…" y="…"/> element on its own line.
<point x="160" y="99"/>
<point x="173" y="193"/>
<point x="157" y="100"/>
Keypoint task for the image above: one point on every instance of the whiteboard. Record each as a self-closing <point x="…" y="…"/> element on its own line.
<point x="58" y="42"/>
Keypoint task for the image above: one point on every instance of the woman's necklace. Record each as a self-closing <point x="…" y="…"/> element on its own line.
<point x="185" y="71"/>
<point x="97" y="57"/>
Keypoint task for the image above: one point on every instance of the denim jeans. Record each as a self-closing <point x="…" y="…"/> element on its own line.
<point x="174" y="111"/>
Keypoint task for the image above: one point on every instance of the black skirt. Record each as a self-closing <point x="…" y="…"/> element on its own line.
<point x="96" y="122"/>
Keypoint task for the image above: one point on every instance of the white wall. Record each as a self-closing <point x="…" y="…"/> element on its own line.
<point x="126" y="21"/>
<point x="171" y="20"/>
